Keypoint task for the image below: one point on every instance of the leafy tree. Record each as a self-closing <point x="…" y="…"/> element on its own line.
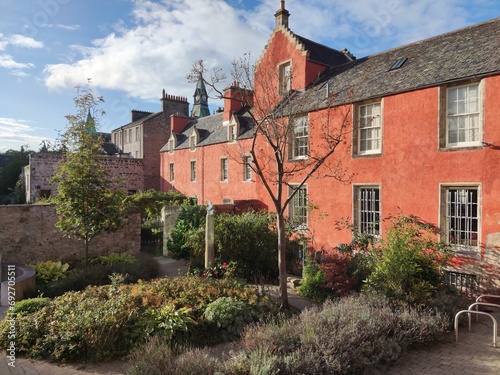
<point x="272" y="144"/>
<point x="88" y="202"/>
<point x="10" y="174"/>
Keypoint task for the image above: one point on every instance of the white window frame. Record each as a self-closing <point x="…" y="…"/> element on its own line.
<point x="367" y="208"/>
<point x="461" y="217"/>
<point x="300" y="137"/>
<point x="224" y="169"/>
<point x="247" y="168"/>
<point x="137" y="133"/>
<point x="464" y="107"/>
<point x="285" y="77"/>
<point x="171" y="172"/>
<point x="192" y="168"/>
<point x="231" y="133"/>
<point x="298" y="207"/>
<point x="369" y="129"/>
<point x="192" y="142"/>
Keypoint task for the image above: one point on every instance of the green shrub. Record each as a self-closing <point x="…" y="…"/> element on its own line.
<point x="229" y="314"/>
<point x="49" y="271"/>
<point x="408" y="265"/>
<point x="151" y="201"/>
<point x="249" y="240"/>
<point x="30" y="305"/>
<point x="145" y="267"/>
<point x="157" y="357"/>
<point x="313" y="282"/>
<point x="345" y="337"/>
<point x="114" y="258"/>
<point x="190" y="220"/>
<point x="107" y="321"/>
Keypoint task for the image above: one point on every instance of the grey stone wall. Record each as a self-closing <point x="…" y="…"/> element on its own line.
<point x="42" y="167"/>
<point x="28" y="235"/>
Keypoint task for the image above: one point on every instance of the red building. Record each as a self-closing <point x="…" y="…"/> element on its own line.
<point x="423" y="138"/>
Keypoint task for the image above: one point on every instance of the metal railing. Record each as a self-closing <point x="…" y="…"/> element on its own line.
<point x="478" y="313"/>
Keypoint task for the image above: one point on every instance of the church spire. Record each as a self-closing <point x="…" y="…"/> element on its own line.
<point x="200" y="107"/>
<point x="282" y="15"/>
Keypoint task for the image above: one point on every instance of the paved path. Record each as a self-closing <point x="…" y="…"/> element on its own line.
<point x="472" y="354"/>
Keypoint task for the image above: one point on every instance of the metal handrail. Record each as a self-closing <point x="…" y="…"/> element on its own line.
<point x="477" y="304"/>
<point x="480" y="313"/>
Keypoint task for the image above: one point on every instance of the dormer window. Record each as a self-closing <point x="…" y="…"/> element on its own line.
<point x="231" y="133"/>
<point x="192" y="142"/>
<point x="171" y="144"/>
<point x="285" y="78"/>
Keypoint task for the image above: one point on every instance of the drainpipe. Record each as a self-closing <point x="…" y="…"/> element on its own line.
<point x="203" y="175"/>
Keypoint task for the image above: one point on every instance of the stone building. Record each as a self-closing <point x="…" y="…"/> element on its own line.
<point x="147" y="133"/>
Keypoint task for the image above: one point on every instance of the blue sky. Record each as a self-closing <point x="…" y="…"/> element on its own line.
<point x="133" y="49"/>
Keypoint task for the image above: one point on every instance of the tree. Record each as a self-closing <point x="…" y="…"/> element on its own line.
<point x="276" y="120"/>
<point x="10" y="175"/>
<point x="87" y="201"/>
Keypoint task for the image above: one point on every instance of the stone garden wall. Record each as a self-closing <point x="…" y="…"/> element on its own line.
<point x="28" y="235"/>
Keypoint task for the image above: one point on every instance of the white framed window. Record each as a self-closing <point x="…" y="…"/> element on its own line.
<point x="285" y="78"/>
<point x="461" y="217"/>
<point x="369" y="132"/>
<point x="223" y="169"/>
<point x="463" y="116"/>
<point x="138" y="133"/>
<point x="231" y="133"/>
<point x="171" y="172"/>
<point x="247" y="168"/>
<point x="298" y="207"/>
<point x="300" y="137"/>
<point x="193" y="170"/>
<point x="171" y="145"/>
<point x="367" y="209"/>
<point x="192" y="142"/>
<point x="130" y="136"/>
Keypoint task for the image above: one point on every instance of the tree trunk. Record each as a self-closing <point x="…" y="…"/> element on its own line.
<point x="86" y="253"/>
<point x="283" y="289"/>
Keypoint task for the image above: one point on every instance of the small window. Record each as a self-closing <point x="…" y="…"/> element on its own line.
<point x="137" y="133"/>
<point x="130" y="136"/>
<point x="367" y="209"/>
<point x="231" y="133"/>
<point x="461" y="216"/>
<point x="368" y="135"/>
<point x="247" y="168"/>
<point x="298" y="207"/>
<point x="463" y="116"/>
<point x="192" y="142"/>
<point x="171" y="145"/>
<point x="300" y="137"/>
<point x="285" y="78"/>
<point x="399" y="63"/>
<point x="223" y="169"/>
<point x="172" y="172"/>
<point x="193" y="170"/>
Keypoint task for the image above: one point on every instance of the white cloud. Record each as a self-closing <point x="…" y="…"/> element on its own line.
<point x="16" y="132"/>
<point x="158" y="50"/>
<point x="8" y="62"/>
<point x="18" y="40"/>
<point x="61" y="26"/>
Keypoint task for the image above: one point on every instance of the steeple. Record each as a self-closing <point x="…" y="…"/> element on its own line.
<point x="200" y="107"/>
<point x="90" y="124"/>
<point x="282" y="15"/>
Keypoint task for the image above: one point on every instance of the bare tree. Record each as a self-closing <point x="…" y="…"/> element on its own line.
<point x="293" y="142"/>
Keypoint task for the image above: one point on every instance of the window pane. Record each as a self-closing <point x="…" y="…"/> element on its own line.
<point x="369" y="128"/>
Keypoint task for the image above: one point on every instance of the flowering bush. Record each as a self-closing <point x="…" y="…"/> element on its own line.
<point x="220" y="270"/>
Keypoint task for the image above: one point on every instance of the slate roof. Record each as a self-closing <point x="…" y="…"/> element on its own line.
<point x="323" y="54"/>
<point x="211" y="130"/>
<point x="467" y="53"/>
<point x="139" y="121"/>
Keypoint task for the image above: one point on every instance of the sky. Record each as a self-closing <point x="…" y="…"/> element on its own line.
<point x="133" y="49"/>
